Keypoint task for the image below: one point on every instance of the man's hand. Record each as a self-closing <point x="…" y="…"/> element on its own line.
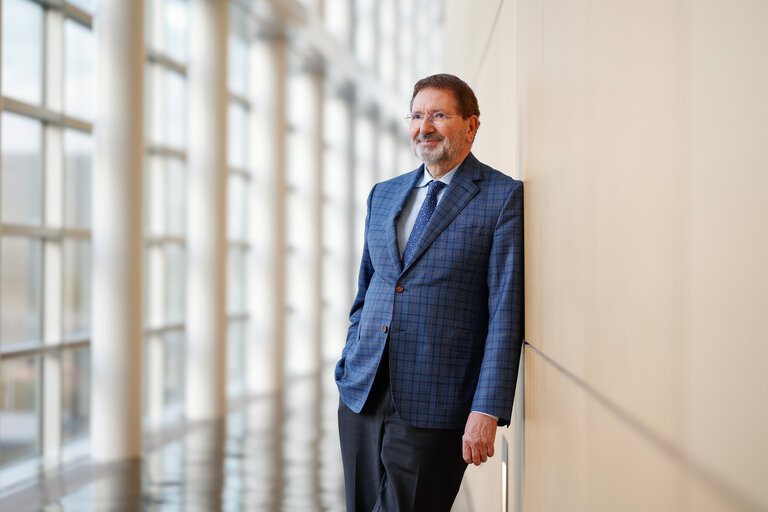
<point x="479" y="435"/>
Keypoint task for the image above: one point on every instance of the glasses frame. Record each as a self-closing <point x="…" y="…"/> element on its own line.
<point x="433" y="118"/>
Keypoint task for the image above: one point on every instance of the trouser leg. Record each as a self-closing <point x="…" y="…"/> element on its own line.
<point x="360" y="437"/>
<point x="423" y="468"/>
<point x="360" y="442"/>
<point x="390" y="466"/>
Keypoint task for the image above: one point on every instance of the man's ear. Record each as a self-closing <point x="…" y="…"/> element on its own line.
<point x="474" y="124"/>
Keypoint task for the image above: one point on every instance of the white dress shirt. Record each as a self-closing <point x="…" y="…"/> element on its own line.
<point x="412" y="206"/>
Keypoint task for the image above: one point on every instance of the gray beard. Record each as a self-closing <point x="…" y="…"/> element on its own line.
<point x="433" y="155"/>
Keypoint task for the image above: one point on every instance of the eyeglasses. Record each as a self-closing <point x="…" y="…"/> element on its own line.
<point x="436" y="118"/>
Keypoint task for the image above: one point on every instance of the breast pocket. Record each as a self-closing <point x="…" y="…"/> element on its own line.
<point x="469" y="247"/>
<point x="465" y="230"/>
<point x="464" y="340"/>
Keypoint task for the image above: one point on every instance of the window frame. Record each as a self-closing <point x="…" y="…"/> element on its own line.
<point x="239" y="319"/>
<point x="160" y="332"/>
<point x="53" y="234"/>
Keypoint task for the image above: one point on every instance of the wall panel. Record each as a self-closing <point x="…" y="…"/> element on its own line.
<point x="639" y="130"/>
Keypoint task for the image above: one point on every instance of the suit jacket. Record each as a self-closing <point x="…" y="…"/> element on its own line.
<point x="453" y="315"/>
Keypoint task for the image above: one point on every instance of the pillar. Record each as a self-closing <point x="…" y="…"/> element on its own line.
<point x="116" y="348"/>
<point x="206" y="217"/>
<point x="265" y="347"/>
<point x="304" y="219"/>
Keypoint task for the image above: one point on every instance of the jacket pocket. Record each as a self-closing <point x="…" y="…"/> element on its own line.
<point x="464" y="340"/>
<point x="465" y="231"/>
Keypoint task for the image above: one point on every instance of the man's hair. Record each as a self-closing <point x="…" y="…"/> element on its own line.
<point x="464" y="97"/>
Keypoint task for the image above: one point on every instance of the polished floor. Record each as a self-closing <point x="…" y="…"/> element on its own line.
<point x="273" y="453"/>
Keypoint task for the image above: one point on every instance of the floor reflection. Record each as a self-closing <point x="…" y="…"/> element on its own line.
<point x="277" y="453"/>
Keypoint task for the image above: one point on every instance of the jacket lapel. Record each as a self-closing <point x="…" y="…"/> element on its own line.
<point x="397" y="206"/>
<point x="461" y="190"/>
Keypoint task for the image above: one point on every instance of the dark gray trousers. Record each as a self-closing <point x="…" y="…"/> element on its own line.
<point x="390" y="466"/>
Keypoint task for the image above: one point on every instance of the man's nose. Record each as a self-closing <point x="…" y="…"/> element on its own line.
<point x="426" y="125"/>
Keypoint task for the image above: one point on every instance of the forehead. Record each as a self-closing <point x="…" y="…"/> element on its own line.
<point x="430" y="99"/>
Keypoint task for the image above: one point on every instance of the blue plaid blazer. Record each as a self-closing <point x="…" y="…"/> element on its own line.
<point x="453" y="316"/>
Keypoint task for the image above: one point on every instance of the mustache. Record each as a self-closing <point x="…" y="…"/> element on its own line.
<point x="429" y="136"/>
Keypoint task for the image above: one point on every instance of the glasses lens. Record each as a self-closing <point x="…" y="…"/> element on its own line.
<point x="438" y="119"/>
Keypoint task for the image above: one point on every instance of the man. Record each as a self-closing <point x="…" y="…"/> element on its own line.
<point x="430" y="363"/>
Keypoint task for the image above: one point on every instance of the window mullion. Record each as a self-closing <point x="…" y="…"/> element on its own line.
<point x="53" y="57"/>
<point x="52" y="285"/>
<point x="77" y="14"/>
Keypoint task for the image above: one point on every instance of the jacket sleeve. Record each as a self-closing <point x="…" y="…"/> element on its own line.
<point x="495" y="389"/>
<point x="363" y="280"/>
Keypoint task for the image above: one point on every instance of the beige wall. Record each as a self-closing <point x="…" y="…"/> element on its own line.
<point x="641" y="132"/>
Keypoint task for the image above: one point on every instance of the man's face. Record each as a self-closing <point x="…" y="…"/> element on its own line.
<point x="439" y="144"/>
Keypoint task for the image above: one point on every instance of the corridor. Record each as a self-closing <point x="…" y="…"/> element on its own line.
<point x="183" y="191"/>
<point x="270" y="453"/>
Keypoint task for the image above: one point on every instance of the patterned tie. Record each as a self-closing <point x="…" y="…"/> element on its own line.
<point x="427" y="209"/>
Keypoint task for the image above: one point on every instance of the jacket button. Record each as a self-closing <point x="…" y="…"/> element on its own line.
<point x="384" y="328"/>
<point x="399" y="289"/>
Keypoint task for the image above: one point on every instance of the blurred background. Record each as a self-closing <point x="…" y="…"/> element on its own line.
<point x="182" y="204"/>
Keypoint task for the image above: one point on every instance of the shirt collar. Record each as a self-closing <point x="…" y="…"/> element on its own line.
<point x="446" y="178"/>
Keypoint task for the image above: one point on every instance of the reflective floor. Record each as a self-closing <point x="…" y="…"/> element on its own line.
<point x="275" y="453"/>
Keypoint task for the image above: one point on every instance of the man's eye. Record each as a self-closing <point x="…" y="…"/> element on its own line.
<point x="417" y="117"/>
<point x="439" y="116"/>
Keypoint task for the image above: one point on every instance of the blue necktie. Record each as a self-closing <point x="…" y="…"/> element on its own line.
<point x="427" y="209"/>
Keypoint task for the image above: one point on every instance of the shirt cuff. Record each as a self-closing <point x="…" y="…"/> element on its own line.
<point x="486" y="414"/>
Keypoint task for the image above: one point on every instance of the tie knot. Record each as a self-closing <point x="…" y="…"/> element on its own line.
<point x="435" y="187"/>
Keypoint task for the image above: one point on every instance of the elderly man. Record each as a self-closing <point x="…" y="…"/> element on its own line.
<point x="430" y="362"/>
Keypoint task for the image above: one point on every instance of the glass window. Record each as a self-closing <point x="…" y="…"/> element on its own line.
<point x="77" y="287"/>
<point x="387" y="153"/>
<point x="149" y="22"/>
<point x="22" y="174"/>
<point x="175" y="100"/>
<point x="153" y="113"/>
<point x="300" y="230"/>
<point x="152" y="296"/>
<point x="236" y="356"/>
<point x="236" y="290"/>
<point x="154" y="201"/>
<point x="86" y="5"/>
<point x="298" y="274"/>
<point x="175" y="283"/>
<point x="147" y="360"/>
<point x="238" y="64"/>
<point x="237" y="199"/>
<point x="365" y="42"/>
<point x="78" y="70"/>
<point x="337" y="19"/>
<point x="175" y="17"/>
<point x="173" y="369"/>
<point x="30" y="288"/>
<point x="176" y="197"/>
<point x="20" y="408"/>
<point x="388" y="42"/>
<point x="166" y="202"/>
<point x="23" y="50"/>
<point x="78" y="161"/>
<point x="237" y="204"/>
<point x="21" y="290"/>
<point x="75" y="393"/>
<point x="405" y="38"/>
<point x="238" y="136"/>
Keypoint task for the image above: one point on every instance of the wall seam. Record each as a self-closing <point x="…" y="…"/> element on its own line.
<point x="487" y="46"/>
<point x="699" y="471"/>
